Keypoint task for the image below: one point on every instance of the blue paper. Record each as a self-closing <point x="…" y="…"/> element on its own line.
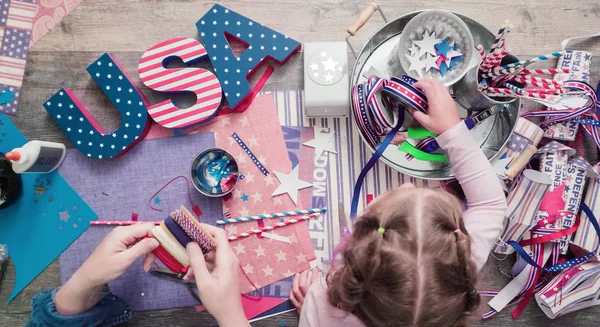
<point x="43" y="222"/>
<point x="262" y="42"/>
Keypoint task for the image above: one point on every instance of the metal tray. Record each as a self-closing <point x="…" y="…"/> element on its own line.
<point x="379" y="53"/>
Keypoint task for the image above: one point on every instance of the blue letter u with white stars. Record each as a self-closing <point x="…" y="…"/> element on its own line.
<point x="81" y="128"/>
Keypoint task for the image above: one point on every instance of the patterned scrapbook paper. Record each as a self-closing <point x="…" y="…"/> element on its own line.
<point x="16" y="20"/>
<point x="264" y="260"/>
<point x="48" y="14"/>
<point x="116" y="188"/>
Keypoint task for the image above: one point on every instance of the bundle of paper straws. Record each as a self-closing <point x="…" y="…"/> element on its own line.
<point x="514" y="79"/>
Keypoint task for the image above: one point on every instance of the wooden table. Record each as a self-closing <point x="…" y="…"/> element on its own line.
<point x="126" y="28"/>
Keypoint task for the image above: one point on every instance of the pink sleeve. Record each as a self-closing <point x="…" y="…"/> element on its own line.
<point x="317" y="312"/>
<point x="485" y="198"/>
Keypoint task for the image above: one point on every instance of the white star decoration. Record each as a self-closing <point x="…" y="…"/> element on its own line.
<point x="314" y="66"/>
<point x="239" y="248"/>
<point x="430" y="62"/>
<point x="268" y="271"/>
<point x="260" y="251"/>
<point x="290" y="184"/>
<point x="322" y="142"/>
<point x="415" y="64"/>
<point x="280" y="256"/>
<point x="329" y="64"/>
<point x="248" y="269"/>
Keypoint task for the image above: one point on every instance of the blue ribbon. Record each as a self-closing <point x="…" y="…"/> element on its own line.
<point x="569" y="263"/>
<point x="378" y="152"/>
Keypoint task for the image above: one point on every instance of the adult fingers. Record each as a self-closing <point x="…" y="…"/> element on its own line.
<point x="295" y="301"/>
<point x="296" y="289"/>
<point x="198" y="264"/>
<point x="148" y="261"/>
<point x="303" y="282"/>
<point x="130" y="234"/>
<point x="139" y="249"/>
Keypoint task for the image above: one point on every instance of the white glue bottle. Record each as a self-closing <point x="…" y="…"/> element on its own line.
<point x="39" y="157"/>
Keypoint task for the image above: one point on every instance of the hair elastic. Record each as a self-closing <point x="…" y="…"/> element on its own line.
<point x="381" y="230"/>
<point x="457" y="231"/>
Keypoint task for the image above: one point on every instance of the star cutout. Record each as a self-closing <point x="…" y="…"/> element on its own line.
<point x="322" y="142"/>
<point x="244" y="197"/>
<point x="257" y="197"/>
<point x="314" y="66"/>
<point x="281" y="256"/>
<point x="430" y="62"/>
<point x="415" y="64"/>
<point x="64" y="216"/>
<point x="414" y="50"/>
<point x="329" y="64"/>
<point x="260" y="251"/>
<point x="40" y="189"/>
<point x="248" y="269"/>
<point x="443" y="48"/>
<point x="323" y="54"/>
<point x="239" y="248"/>
<point x="552" y="202"/>
<point x="268" y="271"/>
<point x="290" y="184"/>
<point x="328" y="77"/>
<point x="427" y="44"/>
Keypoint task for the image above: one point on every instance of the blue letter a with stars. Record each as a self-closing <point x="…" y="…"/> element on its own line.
<point x="232" y="71"/>
<point x="81" y="128"/>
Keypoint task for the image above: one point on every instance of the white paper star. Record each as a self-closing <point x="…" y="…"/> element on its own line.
<point x="415" y="64"/>
<point x="322" y="142"/>
<point x="430" y="62"/>
<point x="329" y="64"/>
<point x="427" y="44"/>
<point x="290" y="184"/>
<point x="453" y="54"/>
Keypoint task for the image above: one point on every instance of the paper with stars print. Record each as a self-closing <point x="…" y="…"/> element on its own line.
<point x="56" y="216"/>
<point x="16" y="18"/>
<point x="260" y="124"/>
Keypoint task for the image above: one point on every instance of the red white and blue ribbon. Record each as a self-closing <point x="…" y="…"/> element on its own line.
<point x="250" y="154"/>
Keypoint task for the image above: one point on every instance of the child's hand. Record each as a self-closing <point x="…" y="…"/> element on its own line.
<point x="300" y="287"/>
<point x="218" y="288"/>
<point x="115" y="254"/>
<point x="442" y="113"/>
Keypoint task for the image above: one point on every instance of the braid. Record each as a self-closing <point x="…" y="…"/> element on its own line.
<point x="472" y="298"/>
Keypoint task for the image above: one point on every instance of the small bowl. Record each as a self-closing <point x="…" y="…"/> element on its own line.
<point x="214" y="172"/>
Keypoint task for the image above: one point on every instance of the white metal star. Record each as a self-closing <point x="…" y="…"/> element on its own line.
<point x="290" y="184"/>
<point x="322" y="142"/>
<point x="427" y="44"/>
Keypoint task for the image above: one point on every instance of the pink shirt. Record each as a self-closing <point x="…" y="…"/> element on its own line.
<point x="483" y="220"/>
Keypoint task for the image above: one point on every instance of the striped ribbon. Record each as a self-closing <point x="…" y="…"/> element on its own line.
<point x="271" y="215"/>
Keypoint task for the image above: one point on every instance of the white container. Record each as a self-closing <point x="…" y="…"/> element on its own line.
<point x="39" y="157"/>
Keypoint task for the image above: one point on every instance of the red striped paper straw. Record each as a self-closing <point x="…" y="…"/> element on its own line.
<point x="528" y="79"/>
<point x="545" y="91"/>
<point x="120" y="222"/>
<point x="272" y="227"/>
<point x="481" y="51"/>
<point x="503" y="91"/>
<point x="546" y="71"/>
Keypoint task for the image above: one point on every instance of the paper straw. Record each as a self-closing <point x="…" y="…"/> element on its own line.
<point x="120" y="223"/>
<point x="271" y="215"/>
<point x="503" y="91"/>
<point x="500" y="35"/>
<point x="498" y="72"/>
<point x="272" y="227"/>
<point x="545" y="91"/>
<point x="536" y="59"/>
<point x="514" y="88"/>
<point x="536" y="81"/>
<point x="546" y="71"/>
<point x="481" y="51"/>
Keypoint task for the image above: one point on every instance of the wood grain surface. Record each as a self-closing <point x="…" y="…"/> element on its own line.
<point x="126" y="28"/>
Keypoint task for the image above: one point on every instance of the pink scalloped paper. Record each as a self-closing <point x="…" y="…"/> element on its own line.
<point x="48" y="14"/>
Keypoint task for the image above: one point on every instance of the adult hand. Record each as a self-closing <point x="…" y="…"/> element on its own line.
<point x="300" y="287"/>
<point x="442" y="113"/>
<point x="217" y="280"/>
<point x="115" y="254"/>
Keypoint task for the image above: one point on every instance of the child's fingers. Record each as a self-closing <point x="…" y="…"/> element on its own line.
<point x="303" y="282"/>
<point x="422" y="118"/>
<point x="296" y="289"/>
<point x="315" y="275"/>
<point x="295" y="301"/>
<point x="189" y="275"/>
